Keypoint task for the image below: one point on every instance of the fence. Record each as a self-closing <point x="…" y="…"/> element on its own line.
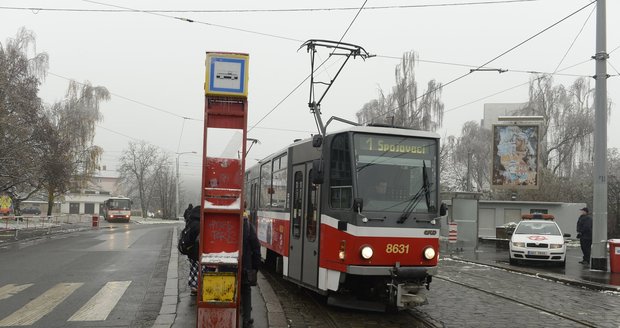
<point x="21" y="227"/>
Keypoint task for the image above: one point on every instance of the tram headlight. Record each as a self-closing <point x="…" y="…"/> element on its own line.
<point x="429" y="253"/>
<point x="366" y="252"/>
<point x="342" y="252"/>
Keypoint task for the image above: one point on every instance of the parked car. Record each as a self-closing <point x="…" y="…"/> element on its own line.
<point x="31" y="211"/>
<point x="538" y="240"/>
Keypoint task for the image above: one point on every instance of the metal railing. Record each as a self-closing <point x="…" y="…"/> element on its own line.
<point x="27" y="226"/>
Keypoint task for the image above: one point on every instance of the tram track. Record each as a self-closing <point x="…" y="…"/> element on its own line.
<point x="305" y="308"/>
<point x="518" y="301"/>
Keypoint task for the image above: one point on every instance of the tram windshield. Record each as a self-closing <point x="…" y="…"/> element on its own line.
<point x="396" y="173"/>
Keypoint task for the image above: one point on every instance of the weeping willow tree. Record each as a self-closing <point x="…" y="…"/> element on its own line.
<point x="405" y="105"/>
<point x="69" y="156"/>
<point x="21" y="72"/>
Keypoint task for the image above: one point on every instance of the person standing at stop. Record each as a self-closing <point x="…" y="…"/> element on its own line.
<point x="584" y="233"/>
<point x="193" y="223"/>
<point x="249" y="264"/>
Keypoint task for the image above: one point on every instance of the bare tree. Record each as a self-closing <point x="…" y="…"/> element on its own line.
<point x="139" y="164"/>
<point x="69" y="155"/>
<point x="405" y="106"/>
<point x="164" y="182"/>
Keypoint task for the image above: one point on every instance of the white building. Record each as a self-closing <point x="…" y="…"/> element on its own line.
<point x="90" y="200"/>
<point x="493" y="111"/>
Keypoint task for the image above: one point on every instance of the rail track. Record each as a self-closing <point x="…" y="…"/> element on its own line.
<point x="304" y="308"/>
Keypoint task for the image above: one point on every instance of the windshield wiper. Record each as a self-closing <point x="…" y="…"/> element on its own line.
<point x="413" y="202"/>
<point x="415" y="199"/>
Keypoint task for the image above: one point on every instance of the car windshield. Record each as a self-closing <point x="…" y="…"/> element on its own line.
<point x="537" y="228"/>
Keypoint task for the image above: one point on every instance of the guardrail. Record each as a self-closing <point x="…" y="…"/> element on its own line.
<point x="25" y="226"/>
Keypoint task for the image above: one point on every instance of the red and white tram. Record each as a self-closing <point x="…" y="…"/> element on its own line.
<point x="352" y="215"/>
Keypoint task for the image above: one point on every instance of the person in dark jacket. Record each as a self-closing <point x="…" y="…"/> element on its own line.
<point x="193" y="221"/>
<point x="187" y="211"/>
<point x="584" y="233"/>
<point x="250" y="262"/>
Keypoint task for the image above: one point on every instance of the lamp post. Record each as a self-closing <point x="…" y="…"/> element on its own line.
<point x="176" y="199"/>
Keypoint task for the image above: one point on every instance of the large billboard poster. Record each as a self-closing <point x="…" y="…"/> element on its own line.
<point x="515" y="156"/>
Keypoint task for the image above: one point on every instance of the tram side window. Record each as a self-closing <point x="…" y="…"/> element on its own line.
<point x="312" y="214"/>
<point x="265" y="186"/>
<point x="341" y="178"/>
<point x="297" y="202"/>
<point x="278" y="198"/>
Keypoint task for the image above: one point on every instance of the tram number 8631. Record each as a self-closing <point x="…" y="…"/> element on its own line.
<point x="397" y="249"/>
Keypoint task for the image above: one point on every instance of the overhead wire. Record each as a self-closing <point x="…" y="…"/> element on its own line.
<point x="575" y="39"/>
<point x="129" y="99"/>
<point x="285" y="10"/>
<point x="506" y="70"/>
<point x="196" y="21"/>
<point x="359" y="10"/>
<point x="555" y="71"/>
<point x="307" y="77"/>
<point x="391" y="110"/>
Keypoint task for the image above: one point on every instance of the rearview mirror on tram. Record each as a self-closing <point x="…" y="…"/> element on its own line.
<point x="358" y="205"/>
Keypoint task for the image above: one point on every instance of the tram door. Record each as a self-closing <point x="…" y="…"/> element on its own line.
<point x="311" y="231"/>
<point x="295" y="260"/>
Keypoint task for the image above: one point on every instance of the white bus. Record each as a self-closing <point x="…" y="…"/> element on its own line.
<point x="117" y="209"/>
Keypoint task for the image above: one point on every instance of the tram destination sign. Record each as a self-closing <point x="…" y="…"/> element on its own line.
<point x="394" y="146"/>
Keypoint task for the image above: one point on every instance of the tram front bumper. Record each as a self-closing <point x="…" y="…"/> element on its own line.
<point x="401" y="272"/>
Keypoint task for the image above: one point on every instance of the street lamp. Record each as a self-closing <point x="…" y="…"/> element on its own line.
<point x="176" y="199"/>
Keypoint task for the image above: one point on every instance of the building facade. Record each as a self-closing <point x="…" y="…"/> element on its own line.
<point x="89" y="200"/>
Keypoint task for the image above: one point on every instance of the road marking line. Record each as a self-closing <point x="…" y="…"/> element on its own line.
<point x="99" y="306"/>
<point x="40" y="306"/>
<point x="11" y="289"/>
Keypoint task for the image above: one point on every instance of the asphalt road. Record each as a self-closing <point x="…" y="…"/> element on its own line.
<point x="113" y="276"/>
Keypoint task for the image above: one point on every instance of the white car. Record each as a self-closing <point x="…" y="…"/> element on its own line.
<point x="538" y="240"/>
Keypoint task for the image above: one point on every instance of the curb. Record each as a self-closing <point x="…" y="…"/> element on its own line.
<point x="275" y="314"/>
<point x="168" y="311"/>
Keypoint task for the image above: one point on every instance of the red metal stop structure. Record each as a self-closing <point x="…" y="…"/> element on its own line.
<point x="225" y="129"/>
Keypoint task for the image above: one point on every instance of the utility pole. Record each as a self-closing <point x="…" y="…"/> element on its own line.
<point x="599" y="220"/>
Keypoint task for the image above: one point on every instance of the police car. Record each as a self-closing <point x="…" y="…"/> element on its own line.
<point x="538" y="238"/>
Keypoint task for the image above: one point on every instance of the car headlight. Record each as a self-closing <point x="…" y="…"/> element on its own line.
<point x="429" y="253"/>
<point x="366" y="252"/>
<point x="518" y="244"/>
<point x="555" y="246"/>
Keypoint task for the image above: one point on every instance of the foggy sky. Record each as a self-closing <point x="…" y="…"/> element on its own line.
<point x="154" y="64"/>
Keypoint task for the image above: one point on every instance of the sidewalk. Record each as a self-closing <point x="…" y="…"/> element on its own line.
<point x="179" y="307"/>
<point x="574" y="273"/>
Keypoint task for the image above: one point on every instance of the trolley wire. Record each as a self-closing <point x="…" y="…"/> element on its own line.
<point x="391" y="110"/>
<point x="197" y="21"/>
<point x="283" y="10"/>
<point x="495" y="58"/>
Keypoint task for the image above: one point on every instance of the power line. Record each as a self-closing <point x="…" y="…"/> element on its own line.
<point x="307" y="77"/>
<point x="492" y="60"/>
<point x="196" y="21"/>
<point x="507" y="70"/>
<point x="283" y="10"/>
<point x="574" y="40"/>
<point x="511" y="88"/>
<point x="131" y="100"/>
